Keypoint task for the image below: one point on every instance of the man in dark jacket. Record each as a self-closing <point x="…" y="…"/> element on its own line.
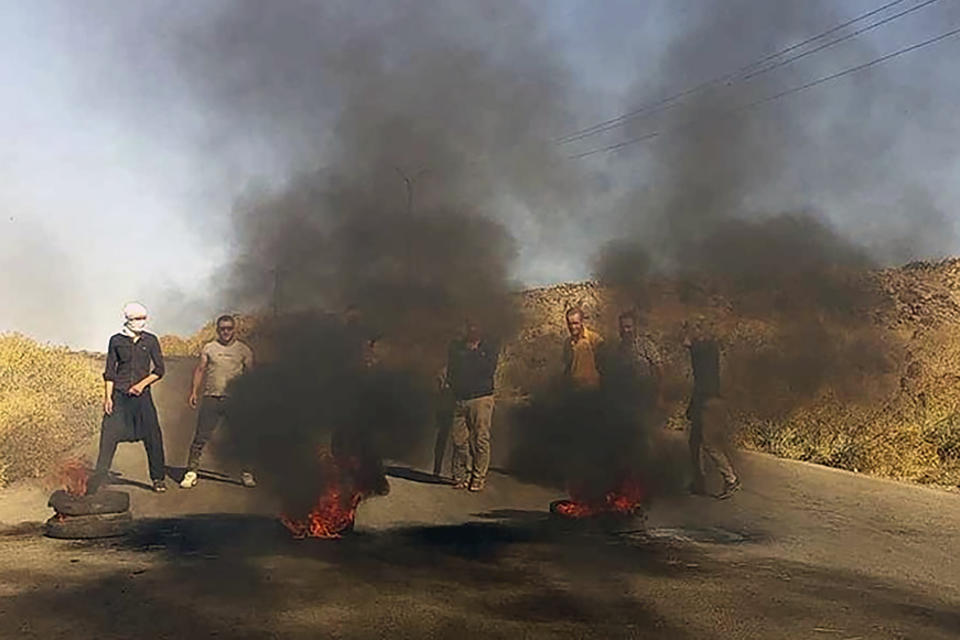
<point x="471" y="364"/>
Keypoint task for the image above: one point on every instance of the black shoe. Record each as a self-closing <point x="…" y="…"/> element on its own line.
<point x="382" y="487"/>
<point x="697" y="489"/>
<point x="96" y="481"/>
<point x="729" y="490"/>
<point x="160" y="486"/>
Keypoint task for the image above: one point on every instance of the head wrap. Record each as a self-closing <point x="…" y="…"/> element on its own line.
<point x="132" y="327"/>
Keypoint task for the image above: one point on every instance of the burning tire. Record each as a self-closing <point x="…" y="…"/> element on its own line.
<point x="103" y="525"/>
<point x="102" y="502"/>
<point x="570" y="518"/>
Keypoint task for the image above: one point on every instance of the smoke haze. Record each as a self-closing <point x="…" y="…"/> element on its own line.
<point x="399" y="129"/>
<point x="188" y="107"/>
<point x="408" y="165"/>
<point x="401" y="133"/>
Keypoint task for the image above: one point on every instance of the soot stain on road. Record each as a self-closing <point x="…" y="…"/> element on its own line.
<point x="242" y="576"/>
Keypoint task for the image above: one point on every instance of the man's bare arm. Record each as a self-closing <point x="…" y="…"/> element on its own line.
<point x="139" y="388"/>
<point x="197" y="380"/>
<point x="442" y="379"/>
<point x="108" y="397"/>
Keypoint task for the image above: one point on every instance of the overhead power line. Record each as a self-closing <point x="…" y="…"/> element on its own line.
<point x="849" y="36"/>
<point x="658" y="105"/>
<point x="782" y="94"/>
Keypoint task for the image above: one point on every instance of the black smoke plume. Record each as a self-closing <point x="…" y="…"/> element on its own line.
<point x="798" y="278"/>
<point x="413" y="138"/>
<point x="317" y="393"/>
<point x="788" y="295"/>
<point x="398" y="124"/>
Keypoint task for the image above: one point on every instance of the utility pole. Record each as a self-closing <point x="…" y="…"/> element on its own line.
<point x="275" y="302"/>
<point x="409" y="182"/>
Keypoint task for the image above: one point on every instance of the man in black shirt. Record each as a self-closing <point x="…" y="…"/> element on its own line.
<point x="707" y="411"/>
<point x="471" y="364"/>
<point x="134" y="363"/>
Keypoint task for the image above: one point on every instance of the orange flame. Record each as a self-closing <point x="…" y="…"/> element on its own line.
<point x="72" y="475"/>
<point x="625" y="500"/>
<point x="334" y="510"/>
<point x="328" y="519"/>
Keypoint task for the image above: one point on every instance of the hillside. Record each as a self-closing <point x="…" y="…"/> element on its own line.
<point x="853" y="370"/>
<point x="875" y="391"/>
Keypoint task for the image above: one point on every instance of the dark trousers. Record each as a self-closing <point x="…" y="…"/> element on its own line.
<point x="443" y="418"/>
<point x="213" y="413"/>
<point x="134" y="418"/>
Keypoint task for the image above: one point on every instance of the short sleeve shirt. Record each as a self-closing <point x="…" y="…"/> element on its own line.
<point x="224" y="363"/>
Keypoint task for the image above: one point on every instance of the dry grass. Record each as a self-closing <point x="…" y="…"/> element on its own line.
<point x="49" y="403"/>
<point x="912" y="436"/>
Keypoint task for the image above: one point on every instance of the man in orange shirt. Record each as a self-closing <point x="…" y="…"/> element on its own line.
<point x="581" y="353"/>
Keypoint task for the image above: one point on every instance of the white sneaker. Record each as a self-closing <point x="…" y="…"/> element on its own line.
<point x="189" y="480"/>
<point x="248" y="480"/>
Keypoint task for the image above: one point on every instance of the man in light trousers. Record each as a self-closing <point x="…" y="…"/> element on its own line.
<point x="708" y="412"/>
<point x="471" y="364"/>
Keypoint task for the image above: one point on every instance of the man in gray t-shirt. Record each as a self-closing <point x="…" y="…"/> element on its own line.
<point x="221" y="361"/>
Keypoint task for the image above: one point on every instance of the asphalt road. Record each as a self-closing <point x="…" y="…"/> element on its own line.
<point x="802" y="552"/>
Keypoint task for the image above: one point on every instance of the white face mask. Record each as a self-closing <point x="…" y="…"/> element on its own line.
<point x="136" y="326"/>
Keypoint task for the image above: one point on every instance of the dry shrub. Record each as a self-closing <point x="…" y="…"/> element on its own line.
<point x="913" y="435"/>
<point x="173" y="345"/>
<point x="49" y="403"/>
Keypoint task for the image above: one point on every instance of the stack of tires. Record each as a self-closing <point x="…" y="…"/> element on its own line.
<point x="100" y="515"/>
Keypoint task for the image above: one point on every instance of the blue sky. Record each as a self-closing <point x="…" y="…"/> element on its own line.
<point x="99" y="208"/>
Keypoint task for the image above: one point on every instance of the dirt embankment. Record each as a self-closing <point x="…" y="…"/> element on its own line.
<point x="877" y="390"/>
<point x="872" y="387"/>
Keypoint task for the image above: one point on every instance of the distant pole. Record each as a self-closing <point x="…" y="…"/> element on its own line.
<point x="275" y="303"/>
<point x="409" y="182"/>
